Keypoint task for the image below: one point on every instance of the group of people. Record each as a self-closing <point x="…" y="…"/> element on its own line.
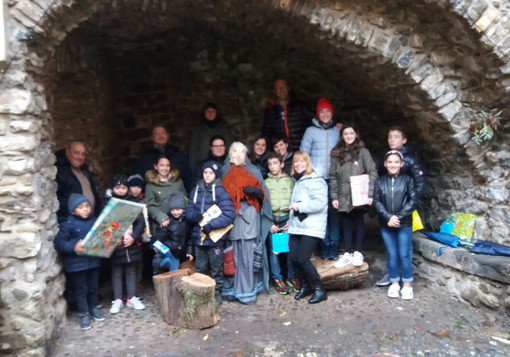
<point x="292" y="184"/>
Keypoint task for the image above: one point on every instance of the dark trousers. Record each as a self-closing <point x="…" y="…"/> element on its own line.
<point x="301" y="249"/>
<point x="117" y="278"/>
<point x="353" y="230"/>
<point x="85" y="284"/>
<point x="210" y="258"/>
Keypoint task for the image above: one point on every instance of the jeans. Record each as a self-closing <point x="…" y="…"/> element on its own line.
<point x="169" y="261"/>
<point x="301" y="249"/>
<point x="399" y="249"/>
<point x="276" y="271"/>
<point x="330" y="245"/>
<point x="85" y="284"/>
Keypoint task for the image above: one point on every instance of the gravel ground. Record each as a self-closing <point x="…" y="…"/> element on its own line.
<point x="358" y="322"/>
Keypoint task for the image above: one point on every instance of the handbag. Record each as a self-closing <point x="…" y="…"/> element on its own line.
<point x="417" y="222"/>
<point x="229" y="265"/>
<point x="280" y="242"/>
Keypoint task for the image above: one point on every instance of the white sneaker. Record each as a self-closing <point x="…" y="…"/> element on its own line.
<point x="116" y="306"/>
<point x="357" y="259"/>
<point x="407" y="293"/>
<point x="343" y="261"/>
<point x="393" y="291"/>
<point x="135" y="303"/>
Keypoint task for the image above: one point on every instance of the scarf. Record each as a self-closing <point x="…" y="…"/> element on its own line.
<point x="236" y="179"/>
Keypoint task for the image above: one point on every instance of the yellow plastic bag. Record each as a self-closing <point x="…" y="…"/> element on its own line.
<point x="417" y="223"/>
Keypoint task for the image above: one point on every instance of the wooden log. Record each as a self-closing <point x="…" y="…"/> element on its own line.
<point x="199" y="309"/>
<point x="166" y="291"/>
<point x="186" y="300"/>
<point x="340" y="278"/>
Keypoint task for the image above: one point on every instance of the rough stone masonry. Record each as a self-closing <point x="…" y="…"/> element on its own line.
<point x="105" y="71"/>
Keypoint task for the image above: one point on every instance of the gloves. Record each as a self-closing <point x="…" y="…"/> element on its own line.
<point x="197" y="217"/>
<point x="207" y="229"/>
<point x="301" y="216"/>
<point x="255" y="192"/>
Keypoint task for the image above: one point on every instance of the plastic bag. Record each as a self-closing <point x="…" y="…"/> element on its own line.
<point x="417" y="222"/>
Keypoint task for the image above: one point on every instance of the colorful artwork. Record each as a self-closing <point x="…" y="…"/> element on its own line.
<point x="110" y="226"/>
<point x="464" y="226"/>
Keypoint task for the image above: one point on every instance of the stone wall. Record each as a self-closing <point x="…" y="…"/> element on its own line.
<point x="106" y="71"/>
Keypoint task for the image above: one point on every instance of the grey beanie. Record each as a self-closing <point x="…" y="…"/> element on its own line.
<point x="176" y="200"/>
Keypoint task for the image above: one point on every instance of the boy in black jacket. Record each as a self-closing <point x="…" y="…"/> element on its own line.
<point x="175" y="236"/>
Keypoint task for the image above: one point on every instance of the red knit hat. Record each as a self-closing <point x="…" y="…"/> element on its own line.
<point x="323" y="103"/>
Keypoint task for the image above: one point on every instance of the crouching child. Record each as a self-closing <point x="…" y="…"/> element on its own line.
<point x="176" y="237"/>
<point x="209" y="191"/>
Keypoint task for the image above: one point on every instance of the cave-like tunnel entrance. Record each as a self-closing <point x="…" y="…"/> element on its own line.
<point x="106" y="72"/>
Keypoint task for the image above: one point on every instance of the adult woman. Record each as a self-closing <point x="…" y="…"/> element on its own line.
<point x="258" y="155"/>
<point x="350" y="158"/>
<point x="254" y="217"/>
<point x="307" y="225"/>
<point x="395" y="198"/>
<point x="211" y="124"/>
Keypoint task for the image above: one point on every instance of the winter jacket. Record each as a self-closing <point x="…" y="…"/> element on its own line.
<point x="287" y="163"/>
<point x="67" y="183"/>
<point x="261" y="163"/>
<point x="395" y="196"/>
<point x="176" y="236"/>
<point x="318" y="141"/>
<point x="157" y="193"/>
<point x="412" y="167"/>
<point x="133" y="253"/>
<point x="71" y="231"/>
<point x="339" y="178"/>
<point x="299" y="117"/>
<point x="201" y="137"/>
<point x="178" y="159"/>
<point x="311" y="195"/>
<point x="202" y="197"/>
<point x="280" y="191"/>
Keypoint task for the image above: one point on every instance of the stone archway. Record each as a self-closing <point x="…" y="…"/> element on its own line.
<point x="97" y="69"/>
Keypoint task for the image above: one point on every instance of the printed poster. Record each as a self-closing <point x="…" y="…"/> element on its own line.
<point x="359" y="190"/>
<point x="109" y="228"/>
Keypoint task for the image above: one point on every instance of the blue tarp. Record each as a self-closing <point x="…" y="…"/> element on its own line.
<point x="491" y="248"/>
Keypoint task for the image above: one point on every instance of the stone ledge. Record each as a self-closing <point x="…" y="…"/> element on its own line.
<point x="493" y="267"/>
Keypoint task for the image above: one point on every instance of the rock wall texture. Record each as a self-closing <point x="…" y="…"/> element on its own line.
<point x="106" y="71"/>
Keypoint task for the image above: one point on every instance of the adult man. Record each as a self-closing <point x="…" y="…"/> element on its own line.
<point x="286" y="117"/>
<point x="160" y="140"/>
<point x="73" y="176"/>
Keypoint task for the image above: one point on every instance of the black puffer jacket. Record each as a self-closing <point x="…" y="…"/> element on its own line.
<point x="67" y="183"/>
<point x="395" y="196"/>
<point x="176" y="236"/>
<point x="412" y="167"/>
<point x="299" y="117"/>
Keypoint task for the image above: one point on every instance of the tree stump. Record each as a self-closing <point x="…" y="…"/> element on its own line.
<point x="186" y="300"/>
<point x="340" y="278"/>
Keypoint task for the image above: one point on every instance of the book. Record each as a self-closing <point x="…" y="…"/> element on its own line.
<point x="162" y="248"/>
<point x="216" y="234"/>
<point x="359" y="190"/>
<point x="213" y="212"/>
<point x="108" y="230"/>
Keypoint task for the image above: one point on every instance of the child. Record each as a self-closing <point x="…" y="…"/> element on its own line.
<point x="82" y="270"/>
<point x="395" y="200"/>
<point x="126" y="255"/>
<point x="136" y="185"/>
<point x="175" y="236"/>
<point x="350" y="158"/>
<point x="161" y="183"/>
<point x="318" y="141"/>
<point x="397" y="140"/>
<point x="209" y="254"/>
<point x="280" y="187"/>
<point x="281" y="147"/>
